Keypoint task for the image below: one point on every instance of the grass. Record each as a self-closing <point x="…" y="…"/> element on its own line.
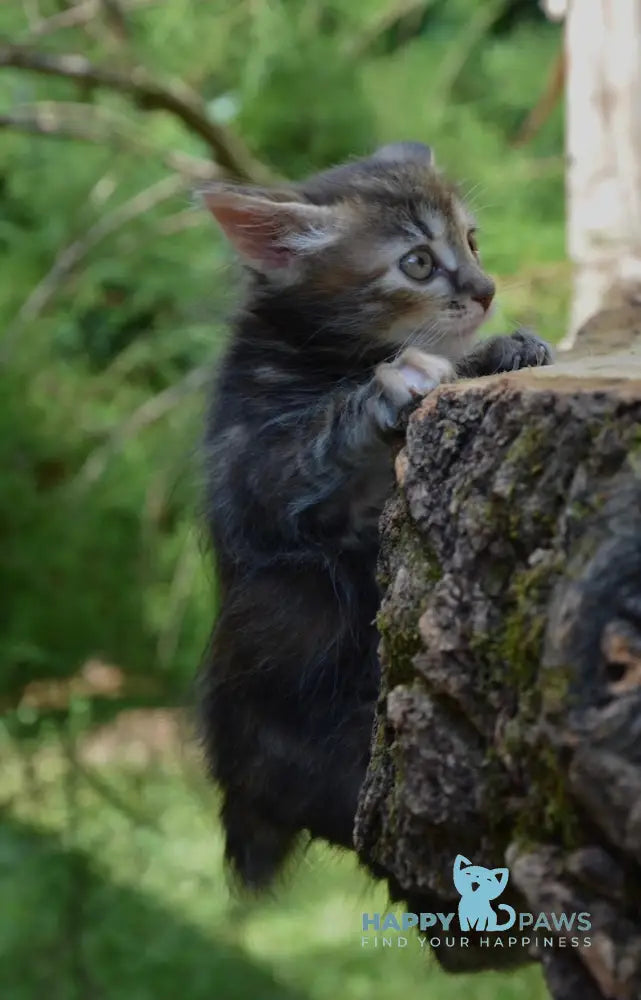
<point x="125" y="897"/>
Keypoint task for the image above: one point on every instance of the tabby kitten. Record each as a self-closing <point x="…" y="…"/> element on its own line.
<point x="365" y="290"/>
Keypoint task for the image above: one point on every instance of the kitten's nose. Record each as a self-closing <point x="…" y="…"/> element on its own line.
<point x="478" y="286"/>
<point x="484" y="299"/>
<point x="483" y="294"/>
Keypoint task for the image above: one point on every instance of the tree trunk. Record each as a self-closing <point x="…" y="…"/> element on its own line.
<point x="603" y="141"/>
<point x="509" y="724"/>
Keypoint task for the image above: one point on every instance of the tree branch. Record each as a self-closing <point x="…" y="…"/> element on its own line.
<point x="70" y="17"/>
<point x="149" y="412"/>
<point x="175" y="98"/>
<point x="70" y="256"/>
<point x="460" y="50"/>
<point x="545" y="105"/>
<point x="87" y="123"/>
<point x="399" y="13"/>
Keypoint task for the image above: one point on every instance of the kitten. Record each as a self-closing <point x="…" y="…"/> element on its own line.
<point x="365" y="289"/>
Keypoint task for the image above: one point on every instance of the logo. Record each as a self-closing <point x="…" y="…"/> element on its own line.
<point x="477" y="887"/>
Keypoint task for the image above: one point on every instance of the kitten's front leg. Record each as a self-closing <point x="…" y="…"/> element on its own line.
<point x="398" y="387"/>
<point x="325" y="471"/>
<point x="522" y="349"/>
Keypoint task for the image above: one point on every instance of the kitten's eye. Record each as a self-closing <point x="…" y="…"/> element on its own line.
<point x="417" y="264"/>
<point x="472" y="243"/>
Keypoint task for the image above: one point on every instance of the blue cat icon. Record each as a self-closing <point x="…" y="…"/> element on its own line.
<point x="477" y="887"/>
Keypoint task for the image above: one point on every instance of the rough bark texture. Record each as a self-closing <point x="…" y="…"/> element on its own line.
<point x="509" y="725"/>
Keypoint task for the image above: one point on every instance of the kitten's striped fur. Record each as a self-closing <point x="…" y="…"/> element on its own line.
<point x="332" y="347"/>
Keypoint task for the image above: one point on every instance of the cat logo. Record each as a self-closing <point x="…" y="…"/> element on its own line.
<point x="477" y="887"/>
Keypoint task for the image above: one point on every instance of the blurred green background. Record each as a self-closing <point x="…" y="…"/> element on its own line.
<point x="114" y="290"/>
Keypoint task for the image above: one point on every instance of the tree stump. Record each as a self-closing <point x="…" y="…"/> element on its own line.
<point x="509" y="723"/>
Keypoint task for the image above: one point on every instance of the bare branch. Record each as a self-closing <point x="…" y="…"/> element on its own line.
<point x="42" y="121"/>
<point x="79" y="14"/>
<point x="175" y="98"/>
<point x="32" y="13"/>
<point x="458" y="53"/>
<point x="70" y="256"/>
<point x="400" y="12"/>
<point x="149" y="412"/>
<point x="88" y="123"/>
<point x="177" y="223"/>
<point x="114" y="15"/>
<point x="545" y="105"/>
<point x="71" y="17"/>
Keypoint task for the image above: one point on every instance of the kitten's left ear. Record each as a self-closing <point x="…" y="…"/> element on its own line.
<point x="267" y="233"/>
<point x="501" y="875"/>
<point x="406" y="152"/>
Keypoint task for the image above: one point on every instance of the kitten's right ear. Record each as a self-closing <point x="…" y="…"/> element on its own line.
<point x="268" y="233"/>
<point x="459" y="861"/>
<point x="406" y="152"/>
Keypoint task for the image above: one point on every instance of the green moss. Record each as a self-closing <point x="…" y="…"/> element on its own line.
<point x="419" y="557"/>
<point x="525" y="624"/>
<point x="401" y="644"/>
<point x="399" y="627"/>
<point x="634" y="443"/>
<point x="512" y="659"/>
<point x="514" y="652"/>
<point x="554" y="685"/>
<point x="549" y="811"/>
<point x="634" y="451"/>
<point x="532" y="441"/>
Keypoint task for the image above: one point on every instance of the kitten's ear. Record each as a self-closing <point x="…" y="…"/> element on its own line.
<point x="501" y="875"/>
<point x="267" y="233"/>
<point x="406" y="152"/>
<point x="459" y="861"/>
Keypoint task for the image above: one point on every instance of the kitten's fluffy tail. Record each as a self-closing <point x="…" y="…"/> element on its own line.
<point x="255" y="848"/>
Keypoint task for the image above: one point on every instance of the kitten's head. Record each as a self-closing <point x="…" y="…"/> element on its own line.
<point x="384" y="244"/>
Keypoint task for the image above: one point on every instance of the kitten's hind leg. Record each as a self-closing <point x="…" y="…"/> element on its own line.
<point x="318" y="795"/>
<point x="255" y="847"/>
<point x="522" y="349"/>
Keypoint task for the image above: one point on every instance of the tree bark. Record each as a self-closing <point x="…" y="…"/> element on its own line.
<point x="509" y="723"/>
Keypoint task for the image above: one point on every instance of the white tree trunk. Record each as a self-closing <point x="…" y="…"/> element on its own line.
<point x="555" y="9"/>
<point x="603" y="140"/>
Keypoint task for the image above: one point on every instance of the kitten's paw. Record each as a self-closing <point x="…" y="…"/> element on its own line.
<point x="525" y="349"/>
<point x="401" y="384"/>
<point x="522" y="349"/>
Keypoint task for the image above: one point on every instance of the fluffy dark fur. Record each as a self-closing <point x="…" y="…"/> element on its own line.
<point x="326" y="360"/>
